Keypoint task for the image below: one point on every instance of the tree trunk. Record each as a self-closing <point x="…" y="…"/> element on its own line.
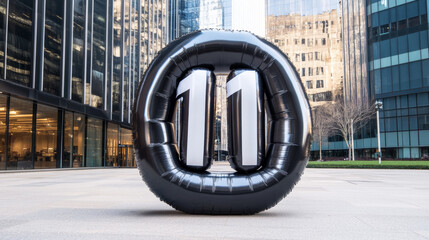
<point x="320" y="148"/>
<point x="350" y="150"/>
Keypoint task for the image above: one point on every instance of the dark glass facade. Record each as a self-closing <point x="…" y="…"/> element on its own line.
<point x="398" y="70"/>
<point x="69" y="71"/>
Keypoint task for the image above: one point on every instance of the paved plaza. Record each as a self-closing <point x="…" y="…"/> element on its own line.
<point x="116" y="204"/>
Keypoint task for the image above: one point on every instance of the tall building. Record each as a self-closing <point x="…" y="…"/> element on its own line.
<point x="309" y="33"/>
<point x="190" y="15"/>
<point x="399" y="74"/>
<point x="356" y="81"/>
<point x="69" y="71"/>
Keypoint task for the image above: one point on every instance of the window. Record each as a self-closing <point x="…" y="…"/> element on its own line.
<point x="374" y="31"/>
<point x="384" y="29"/>
<point x="94" y="144"/>
<point x="303" y="72"/>
<point x="303" y="41"/>
<point x="303" y="57"/>
<point x="2" y="42"/>
<point x="403" y="124"/>
<point x="377" y="81"/>
<point x="386" y="80"/>
<point x="414" y="21"/>
<point x="309" y="84"/>
<point x="310" y="71"/>
<point x="19" y="42"/>
<point x="20" y="134"/>
<point x="323" y="41"/>
<point x="126" y="150"/>
<point x="425" y="75"/>
<point x="317" y="55"/>
<point x="99" y="54"/>
<point x="404" y="77"/>
<point x="422" y="99"/>
<point x="413" y="42"/>
<point x="319" y="84"/>
<point x="46" y="137"/>
<point x="53" y="47"/>
<point x="74" y="138"/>
<point x="394" y="26"/>
<point x="424" y="122"/>
<point x="78" y="51"/>
<point x="321" y="70"/>
<point x="376" y="50"/>
<point x="3" y="109"/>
<point x="390" y="124"/>
<point x="117" y="54"/>
<point x="402" y="24"/>
<point x="415" y="75"/>
<point x="412" y="9"/>
<point x="395" y="78"/>
<point x="297" y="57"/>
<point x="394" y="46"/>
<point x="385" y="48"/>
<point x="112" y="145"/>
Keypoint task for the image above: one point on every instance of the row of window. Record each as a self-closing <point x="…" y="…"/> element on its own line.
<point x="396" y="46"/>
<point x="374" y="6"/>
<point x="401" y="77"/>
<point x="38" y="136"/>
<point x="310" y="41"/>
<point x="301" y="57"/>
<point x="403" y="12"/>
<point x="311" y="72"/>
<point x="309" y="84"/>
<point x="306" y="25"/>
<point x="407" y="112"/>
<point x="397" y="19"/>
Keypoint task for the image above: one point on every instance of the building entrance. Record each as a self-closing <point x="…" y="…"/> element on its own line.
<point x="126" y="156"/>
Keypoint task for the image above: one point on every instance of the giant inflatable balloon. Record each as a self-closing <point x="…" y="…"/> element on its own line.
<point x="269" y="124"/>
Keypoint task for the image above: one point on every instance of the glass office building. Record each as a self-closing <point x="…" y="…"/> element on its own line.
<point x="399" y="71"/>
<point x="69" y="71"/>
<point x="190" y="15"/>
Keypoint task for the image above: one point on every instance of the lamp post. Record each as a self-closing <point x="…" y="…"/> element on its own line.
<point x="378" y="106"/>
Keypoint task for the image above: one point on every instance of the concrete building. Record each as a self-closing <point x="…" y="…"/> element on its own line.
<point x="313" y="44"/>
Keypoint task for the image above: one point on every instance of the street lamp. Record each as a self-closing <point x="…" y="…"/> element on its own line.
<point x="378" y="106"/>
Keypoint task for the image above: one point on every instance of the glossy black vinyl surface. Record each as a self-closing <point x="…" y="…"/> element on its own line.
<point x="289" y="132"/>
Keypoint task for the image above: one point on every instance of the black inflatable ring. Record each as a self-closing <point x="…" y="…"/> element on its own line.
<point x="289" y="132"/>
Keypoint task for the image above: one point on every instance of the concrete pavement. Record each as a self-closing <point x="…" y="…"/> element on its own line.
<point x="116" y="204"/>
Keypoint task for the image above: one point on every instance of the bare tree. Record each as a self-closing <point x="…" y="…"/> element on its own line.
<point x="321" y="125"/>
<point x="349" y="117"/>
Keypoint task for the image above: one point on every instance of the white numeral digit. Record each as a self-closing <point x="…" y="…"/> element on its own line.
<point x="247" y="83"/>
<point x="196" y="84"/>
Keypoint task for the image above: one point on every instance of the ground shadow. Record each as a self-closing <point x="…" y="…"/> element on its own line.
<point x="175" y="213"/>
